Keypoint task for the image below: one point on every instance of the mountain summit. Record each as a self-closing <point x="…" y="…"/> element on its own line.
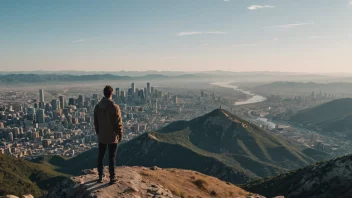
<point x="152" y="182"/>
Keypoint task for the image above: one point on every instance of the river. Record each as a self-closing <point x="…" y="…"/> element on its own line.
<point x="254" y="97"/>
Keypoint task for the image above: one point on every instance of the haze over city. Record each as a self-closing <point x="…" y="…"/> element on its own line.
<point x="199" y="35"/>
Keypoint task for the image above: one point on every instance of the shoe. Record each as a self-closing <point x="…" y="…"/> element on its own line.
<point x="101" y="178"/>
<point x="113" y="181"/>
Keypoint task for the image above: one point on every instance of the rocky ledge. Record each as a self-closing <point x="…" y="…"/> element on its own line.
<point x="136" y="182"/>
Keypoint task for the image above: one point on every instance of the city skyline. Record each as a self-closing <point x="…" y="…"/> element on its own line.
<point x="201" y="35"/>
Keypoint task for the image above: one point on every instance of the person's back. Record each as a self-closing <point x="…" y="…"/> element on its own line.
<point x="108" y="127"/>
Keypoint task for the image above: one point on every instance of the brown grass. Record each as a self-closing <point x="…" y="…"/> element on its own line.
<point x="191" y="184"/>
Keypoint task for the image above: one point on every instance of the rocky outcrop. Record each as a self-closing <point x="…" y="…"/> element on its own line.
<point x="141" y="182"/>
<point x="130" y="184"/>
<point x="13" y="196"/>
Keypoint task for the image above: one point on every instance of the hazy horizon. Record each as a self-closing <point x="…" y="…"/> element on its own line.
<point x="311" y="37"/>
<point x="170" y="71"/>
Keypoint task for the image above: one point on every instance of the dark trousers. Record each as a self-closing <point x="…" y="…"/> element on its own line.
<point x="112" y="158"/>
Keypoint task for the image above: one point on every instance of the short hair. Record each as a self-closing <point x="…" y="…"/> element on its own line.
<point x="108" y="91"/>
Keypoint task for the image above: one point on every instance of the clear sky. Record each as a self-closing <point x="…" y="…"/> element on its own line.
<point x="178" y="35"/>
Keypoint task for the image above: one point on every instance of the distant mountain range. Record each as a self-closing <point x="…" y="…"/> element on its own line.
<point x="149" y="72"/>
<point x="333" y="117"/>
<point x="322" y="180"/>
<point x="217" y="144"/>
<point x="48" y="78"/>
<point x="20" y="177"/>
<point x="76" y="76"/>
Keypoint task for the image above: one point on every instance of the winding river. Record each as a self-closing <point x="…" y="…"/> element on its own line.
<point x="254" y="97"/>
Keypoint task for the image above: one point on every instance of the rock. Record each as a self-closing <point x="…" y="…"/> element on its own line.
<point x="255" y="196"/>
<point x="13" y="196"/>
<point x="155" y="168"/>
<point x="132" y="189"/>
<point x="27" y="196"/>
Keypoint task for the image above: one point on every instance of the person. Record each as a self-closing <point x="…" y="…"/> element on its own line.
<point x="108" y="127"/>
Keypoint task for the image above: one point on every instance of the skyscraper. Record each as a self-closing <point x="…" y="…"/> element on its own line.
<point x="123" y="95"/>
<point x="71" y="101"/>
<point x="148" y="88"/>
<point x="40" y="116"/>
<point x="81" y="99"/>
<point x="117" y="93"/>
<point x="176" y="100"/>
<point x="152" y="90"/>
<point x="130" y="92"/>
<point x="133" y="88"/>
<point x="62" y="101"/>
<point x="41" y="95"/>
<point x="55" y="104"/>
<point x="10" y="137"/>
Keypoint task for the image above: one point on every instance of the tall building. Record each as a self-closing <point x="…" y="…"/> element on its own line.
<point x="117" y="93"/>
<point x="152" y="90"/>
<point x="55" y="104"/>
<point x="175" y="100"/>
<point x="133" y="88"/>
<point x="48" y="107"/>
<point x="41" y="95"/>
<point x="130" y="91"/>
<point x="71" y="101"/>
<point x="10" y="137"/>
<point x="141" y="94"/>
<point x="62" y="102"/>
<point x="81" y="99"/>
<point x="148" y="88"/>
<point x="123" y="95"/>
<point x="40" y="116"/>
<point x="146" y="94"/>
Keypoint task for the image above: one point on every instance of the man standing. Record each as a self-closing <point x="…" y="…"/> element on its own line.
<point x="108" y="127"/>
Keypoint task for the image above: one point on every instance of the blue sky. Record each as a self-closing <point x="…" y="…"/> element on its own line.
<point x="187" y="35"/>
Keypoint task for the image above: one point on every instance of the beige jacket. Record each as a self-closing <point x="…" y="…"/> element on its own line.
<point x="108" y="122"/>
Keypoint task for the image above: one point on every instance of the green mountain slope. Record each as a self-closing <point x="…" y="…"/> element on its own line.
<point x="19" y="177"/>
<point x="217" y="144"/>
<point x="324" y="179"/>
<point x="334" y="116"/>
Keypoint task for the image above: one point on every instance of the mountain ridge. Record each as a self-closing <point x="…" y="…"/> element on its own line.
<point x="19" y="177"/>
<point x="334" y="116"/>
<point x="40" y="78"/>
<point x="324" y="179"/>
<point x="218" y="144"/>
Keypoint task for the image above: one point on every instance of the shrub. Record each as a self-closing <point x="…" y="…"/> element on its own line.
<point x="200" y="183"/>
